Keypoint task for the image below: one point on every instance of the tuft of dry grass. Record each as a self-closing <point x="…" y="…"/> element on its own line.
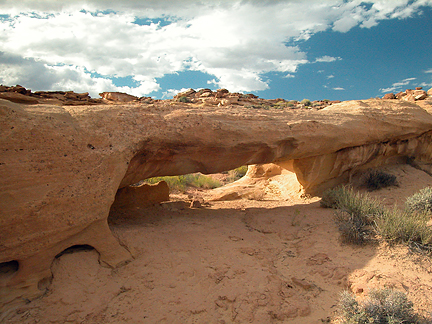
<point x="359" y="217"/>
<point x="383" y="306"/>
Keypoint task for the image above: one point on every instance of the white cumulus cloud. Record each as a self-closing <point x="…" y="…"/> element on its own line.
<point x="85" y="44"/>
<point x="327" y="58"/>
<point x="397" y="86"/>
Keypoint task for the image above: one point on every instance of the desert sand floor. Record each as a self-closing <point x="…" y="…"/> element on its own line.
<point x="244" y="261"/>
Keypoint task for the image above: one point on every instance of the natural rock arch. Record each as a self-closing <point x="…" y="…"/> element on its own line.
<point x="61" y="167"/>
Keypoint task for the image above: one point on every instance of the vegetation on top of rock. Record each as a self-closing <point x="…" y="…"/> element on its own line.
<point x="306" y="102"/>
<point x="183" y="99"/>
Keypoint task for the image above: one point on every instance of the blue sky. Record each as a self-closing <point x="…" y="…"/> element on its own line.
<point x="289" y="49"/>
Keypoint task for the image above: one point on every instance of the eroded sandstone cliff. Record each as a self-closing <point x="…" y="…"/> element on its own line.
<point x="61" y="166"/>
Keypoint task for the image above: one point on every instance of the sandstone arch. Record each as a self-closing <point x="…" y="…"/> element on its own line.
<point x="61" y="167"/>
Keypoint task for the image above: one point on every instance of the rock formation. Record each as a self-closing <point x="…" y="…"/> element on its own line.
<point x="61" y="165"/>
<point x="222" y="97"/>
<point x="140" y="196"/>
<point x="117" y="96"/>
<point x="409" y="95"/>
<point x="19" y="94"/>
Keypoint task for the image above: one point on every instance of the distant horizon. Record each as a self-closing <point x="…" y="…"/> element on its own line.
<point x="198" y="89"/>
<point x="293" y="50"/>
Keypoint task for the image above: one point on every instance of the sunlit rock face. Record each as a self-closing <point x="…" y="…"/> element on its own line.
<point x="61" y="166"/>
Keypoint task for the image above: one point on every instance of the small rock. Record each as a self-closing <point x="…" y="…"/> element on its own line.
<point x="195" y="204"/>
<point x="401" y="94"/>
<point x="409" y="97"/>
<point x="187" y="93"/>
<point x="19" y="89"/>
<point x="206" y="94"/>
<point x="302" y="283"/>
<point x="389" y="96"/>
<point x="117" y="96"/>
<point x="420" y="95"/>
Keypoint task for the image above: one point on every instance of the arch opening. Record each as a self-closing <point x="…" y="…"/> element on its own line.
<point x="156" y="190"/>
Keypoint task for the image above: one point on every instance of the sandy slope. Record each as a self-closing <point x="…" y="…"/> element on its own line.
<point x="269" y="261"/>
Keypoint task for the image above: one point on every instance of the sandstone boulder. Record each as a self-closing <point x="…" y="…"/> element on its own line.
<point x="117" y="96"/>
<point x="221" y="93"/>
<point x="412" y="95"/>
<point x="409" y="97"/>
<point x="18" y="98"/>
<point x="401" y="94"/>
<point x="19" y="89"/>
<point x="389" y="96"/>
<point x="77" y="96"/>
<point x="420" y="94"/>
<point x="188" y="93"/>
<point x="206" y="94"/>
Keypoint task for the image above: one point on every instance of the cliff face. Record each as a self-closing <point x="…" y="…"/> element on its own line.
<point x="61" y="166"/>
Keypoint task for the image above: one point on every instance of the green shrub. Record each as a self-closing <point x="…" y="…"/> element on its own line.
<point x="348" y="200"/>
<point x="377" y="179"/>
<point x="306" y="102"/>
<point x="353" y="228"/>
<point x="358" y="216"/>
<point x="421" y="201"/>
<point x="202" y="181"/>
<point x="332" y="197"/>
<point x="380" y="307"/>
<point x="236" y="174"/>
<point x="183" y="99"/>
<point x="355" y="213"/>
<point x="404" y="227"/>
<point x="182" y="182"/>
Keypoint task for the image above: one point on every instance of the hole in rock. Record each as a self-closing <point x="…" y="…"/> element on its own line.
<point x="152" y="191"/>
<point x="44" y="283"/>
<point x="7" y="269"/>
<point x="75" y="248"/>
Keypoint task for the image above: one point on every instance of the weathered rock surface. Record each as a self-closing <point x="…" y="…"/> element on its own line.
<point x="222" y="97"/>
<point x="409" y="95"/>
<point x="19" y="94"/>
<point x="117" y="96"/>
<point x="390" y="95"/>
<point x="144" y="195"/>
<point x="61" y="166"/>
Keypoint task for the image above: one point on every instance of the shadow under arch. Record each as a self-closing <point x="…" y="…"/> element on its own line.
<point x="287" y="253"/>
